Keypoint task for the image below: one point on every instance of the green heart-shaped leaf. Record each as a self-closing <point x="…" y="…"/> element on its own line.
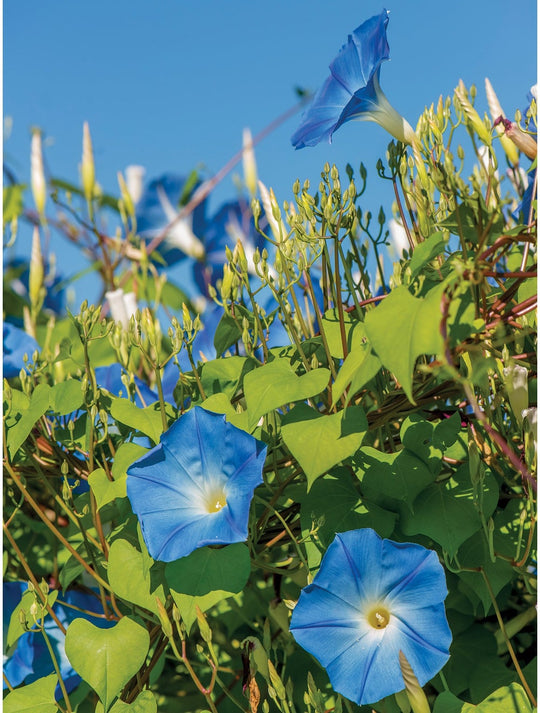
<point x="276" y="383"/>
<point x="36" y="697"/>
<point x="402" y="328"/>
<point x="144" y="703"/>
<point x="207" y="576"/>
<point x="106" y="658"/>
<point x="127" y="576"/>
<point x="319" y="442"/>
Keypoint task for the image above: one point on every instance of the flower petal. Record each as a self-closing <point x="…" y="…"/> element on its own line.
<point x="370" y="669"/>
<point x="326" y="625"/>
<point x="425" y="639"/>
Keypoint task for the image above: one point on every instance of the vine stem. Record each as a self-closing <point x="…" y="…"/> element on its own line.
<point x="30" y="500"/>
<point x="506" y="639"/>
<point x="57" y="670"/>
<point x="32" y="578"/>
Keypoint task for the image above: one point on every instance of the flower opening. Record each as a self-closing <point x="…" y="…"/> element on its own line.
<point x="378" y="617"/>
<point x="215" y="501"/>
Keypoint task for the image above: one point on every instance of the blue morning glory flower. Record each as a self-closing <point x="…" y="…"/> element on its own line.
<point x="232" y="222"/>
<point x="371" y="599"/>
<point x="158" y="206"/>
<point x="195" y="487"/>
<point x="29" y="659"/>
<point x="16" y="344"/>
<point x="352" y="90"/>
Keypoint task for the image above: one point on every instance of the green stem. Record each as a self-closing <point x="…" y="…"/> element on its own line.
<point x="288" y="530"/>
<point x="57" y="670"/>
<point x="32" y="578"/>
<point x="29" y="499"/>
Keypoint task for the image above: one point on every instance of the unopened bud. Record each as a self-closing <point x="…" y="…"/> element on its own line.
<point x="248" y="159"/>
<point x="134" y="182"/>
<point x="495" y="109"/>
<point x="524" y="142"/>
<point x="515" y="380"/>
<point x="272" y="212"/>
<point x="186" y="318"/>
<point x="164" y="619"/>
<point x="88" y="172"/>
<point x="204" y="628"/>
<point x="226" y="283"/>
<point x="471" y="113"/>
<point x="36" y="273"/>
<point x="126" y="197"/>
<point x="37" y="174"/>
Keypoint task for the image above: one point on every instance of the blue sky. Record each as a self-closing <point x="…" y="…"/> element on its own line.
<point x="170" y="84"/>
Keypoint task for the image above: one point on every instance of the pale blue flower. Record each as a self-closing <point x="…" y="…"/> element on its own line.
<point x="195" y="487"/>
<point x="352" y="90"/>
<point x="371" y="599"/>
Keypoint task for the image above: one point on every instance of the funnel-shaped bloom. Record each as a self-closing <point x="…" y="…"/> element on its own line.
<point x="352" y="90"/>
<point x="28" y="659"/>
<point x="158" y="207"/>
<point x="371" y="599"/>
<point x="195" y="487"/>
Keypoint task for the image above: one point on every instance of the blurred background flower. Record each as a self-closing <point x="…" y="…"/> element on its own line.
<point x="160" y="204"/>
<point x="16" y="344"/>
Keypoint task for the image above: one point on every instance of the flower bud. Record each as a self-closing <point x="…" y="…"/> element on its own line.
<point x="88" y="173"/>
<point x="164" y="619"/>
<point x="204" y="628"/>
<point x="35" y="279"/>
<point x="126" y="196"/>
<point x="186" y="318"/>
<point x="134" y="182"/>
<point x="37" y="174"/>
<point x="271" y="209"/>
<point x="122" y="306"/>
<point x="515" y="381"/>
<point x="471" y="113"/>
<point x="415" y="693"/>
<point x="495" y="109"/>
<point x="248" y="160"/>
<point x="524" y="142"/>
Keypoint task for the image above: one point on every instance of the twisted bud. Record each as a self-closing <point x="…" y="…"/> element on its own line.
<point x="37" y="174"/>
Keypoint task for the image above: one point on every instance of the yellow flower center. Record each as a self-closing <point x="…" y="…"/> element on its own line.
<point x="378" y="617"/>
<point x="215" y="501"/>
